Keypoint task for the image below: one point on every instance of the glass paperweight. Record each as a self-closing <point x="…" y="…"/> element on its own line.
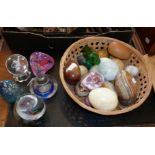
<point x="17" y="65"/>
<point x="29" y="108"/>
<point x="42" y="85"/>
<point x="10" y="91"/>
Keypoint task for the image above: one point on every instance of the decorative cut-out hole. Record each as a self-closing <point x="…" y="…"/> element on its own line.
<point x="76" y="49"/>
<point x="72" y="52"/>
<point x="92" y="44"/>
<point x="96" y="48"/>
<point x="97" y="43"/>
<point x="139" y="74"/>
<point x="103" y="43"/>
<point x="133" y="57"/>
<point x="137" y="61"/>
<point x="144" y="77"/>
<point x="68" y="55"/>
<point x="102" y="48"/>
<point x="140" y="79"/>
<point x="141" y="89"/>
<point x="145" y="82"/>
<point x="81" y="47"/>
<point x="145" y="86"/>
<point x="130" y="61"/>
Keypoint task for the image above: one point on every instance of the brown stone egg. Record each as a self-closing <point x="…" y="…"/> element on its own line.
<point x="126" y="87"/>
<point x="72" y="72"/>
<point x="118" y="50"/>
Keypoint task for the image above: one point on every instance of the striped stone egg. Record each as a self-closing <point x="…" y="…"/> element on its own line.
<point x="126" y="87"/>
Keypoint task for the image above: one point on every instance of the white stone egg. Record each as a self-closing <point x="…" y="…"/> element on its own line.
<point x="103" y="99"/>
<point x="133" y="70"/>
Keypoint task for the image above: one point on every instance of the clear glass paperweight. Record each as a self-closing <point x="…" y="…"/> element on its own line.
<point x="17" y="65"/>
<point x="29" y="108"/>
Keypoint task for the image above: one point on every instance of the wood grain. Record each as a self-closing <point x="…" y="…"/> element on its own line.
<point x="4" y="75"/>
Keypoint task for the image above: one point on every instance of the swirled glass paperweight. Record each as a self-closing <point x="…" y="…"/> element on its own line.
<point x="29" y="108"/>
<point x="42" y="85"/>
<point x="17" y="65"/>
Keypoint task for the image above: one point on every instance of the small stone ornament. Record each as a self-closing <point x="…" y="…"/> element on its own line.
<point x="72" y="72"/>
<point x="92" y="80"/>
<point x="10" y="91"/>
<point x="133" y="70"/>
<point x="126" y="87"/>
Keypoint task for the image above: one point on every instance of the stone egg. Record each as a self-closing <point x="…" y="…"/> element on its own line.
<point x="102" y="53"/>
<point x="109" y="85"/>
<point x="81" y="91"/>
<point x="83" y="70"/>
<point x="94" y="68"/>
<point x="119" y="50"/>
<point x="126" y="87"/>
<point x="108" y="68"/>
<point x="133" y="70"/>
<point x="72" y="72"/>
<point x="103" y="99"/>
<point x="119" y="63"/>
<point x="81" y="59"/>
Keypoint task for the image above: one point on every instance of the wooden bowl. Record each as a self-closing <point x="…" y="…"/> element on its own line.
<point x="98" y="43"/>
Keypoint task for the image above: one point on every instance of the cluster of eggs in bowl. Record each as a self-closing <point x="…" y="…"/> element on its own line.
<point x="98" y="74"/>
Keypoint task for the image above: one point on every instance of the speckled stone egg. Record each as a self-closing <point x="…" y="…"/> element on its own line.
<point x="103" y="99"/>
<point x="126" y="87"/>
<point x="108" y="68"/>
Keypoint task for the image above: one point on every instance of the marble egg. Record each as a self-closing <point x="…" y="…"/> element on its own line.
<point x="72" y="72"/>
<point x="83" y="70"/>
<point x="119" y="50"/>
<point x="103" y="99"/>
<point x="133" y="70"/>
<point x="119" y="63"/>
<point x="126" y="87"/>
<point x="108" y="68"/>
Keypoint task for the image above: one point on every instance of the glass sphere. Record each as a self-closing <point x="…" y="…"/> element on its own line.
<point x="30" y="108"/>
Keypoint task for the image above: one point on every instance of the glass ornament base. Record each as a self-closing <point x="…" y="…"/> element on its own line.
<point x="44" y="87"/>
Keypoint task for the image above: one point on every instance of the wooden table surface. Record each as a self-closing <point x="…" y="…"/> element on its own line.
<point x="4" y="75"/>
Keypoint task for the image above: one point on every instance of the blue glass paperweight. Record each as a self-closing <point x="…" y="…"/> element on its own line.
<point x="10" y="91"/>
